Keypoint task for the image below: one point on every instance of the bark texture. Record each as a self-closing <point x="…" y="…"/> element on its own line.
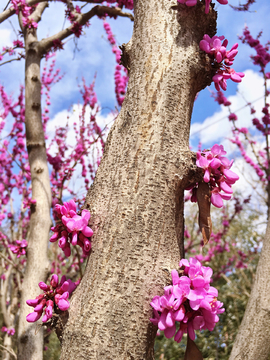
<point x="136" y="201"/>
<point x="252" y="341"/>
<point x="30" y="341"/>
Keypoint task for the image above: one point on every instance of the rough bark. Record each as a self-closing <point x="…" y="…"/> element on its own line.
<point x="30" y="342"/>
<point x="136" y="201"/>
<point x="252" y="341"/>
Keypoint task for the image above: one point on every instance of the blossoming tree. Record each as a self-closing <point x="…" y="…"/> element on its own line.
<point x="136" y="200"/>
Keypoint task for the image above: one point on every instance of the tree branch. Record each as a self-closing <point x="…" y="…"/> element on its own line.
<point x="46" y="44"/>
<point x="9" y="350"/>
<point x="36" y="16"/>
<point x="6" y="14"/>
<point x="11" y="263"/>
<point x="8" y="61"/>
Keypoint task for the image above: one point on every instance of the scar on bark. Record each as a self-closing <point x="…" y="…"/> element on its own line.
<point x="204" y="203"/>
<point x="125" y="60"/>
<point x="203" y="195"/>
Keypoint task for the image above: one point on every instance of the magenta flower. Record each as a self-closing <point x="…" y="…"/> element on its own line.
<point x="73" y="229"/>
<point x="54" y="298"/>
<point x="217" y="173"/>
<point x="10" y="331"/>
<point x="190" y="300"/>
<point x="218" y="53"/>
<point x="19" y="249"/>
<point x="188" y="2"/>
<point x="207" y="3"/>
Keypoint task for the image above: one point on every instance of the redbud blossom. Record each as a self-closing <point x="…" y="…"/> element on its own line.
<point x="10" y="331"/>
<point x="55" y="298"/>
<point x="190" y="300"/>
<point x="217" y="173"/>
<point x="207" y="3"/>
<point x="72" y="228"/>
<point x="19" y="249"/>
<point x="218" y="53"/>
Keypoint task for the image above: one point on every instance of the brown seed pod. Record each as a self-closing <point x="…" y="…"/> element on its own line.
<point x="204" y="203"/>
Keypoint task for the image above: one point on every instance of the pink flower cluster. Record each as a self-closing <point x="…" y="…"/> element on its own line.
<point x="54" y="297"/>
<point x="190" y="300"/>
<point x="72" y="228"/>
<point x="257" y="167"/>
<point x="20" y="5"/>
<point x="19" y="249"/>
<point x="216" y="49"/>
<point x="10" y="331"/>
<point x="207" y="3"/>
<point x="217" y="173"/>
<point x="262" y="58"/>
<point x="128" y="4"/>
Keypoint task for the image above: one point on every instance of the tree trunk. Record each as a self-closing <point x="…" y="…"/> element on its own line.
<point x="136" y="200"/>
<point x="30" y="344"/>
<point x="252" y="341"/>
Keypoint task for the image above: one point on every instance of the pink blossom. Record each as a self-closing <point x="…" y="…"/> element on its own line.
<point x="190" y="300"/>
<point x="73" y="228"/>
<point x="217" y="173"/>
<point x="19" y="249"/>
<point x="55" y="295"/>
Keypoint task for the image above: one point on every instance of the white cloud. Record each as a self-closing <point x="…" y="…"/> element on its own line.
<point x="5" y="37"/>
<point x="217" y="128"/>
<point x="66" y="117"/>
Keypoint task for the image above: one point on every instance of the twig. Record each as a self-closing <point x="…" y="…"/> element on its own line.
<point x="11" y="263"/>
<point x="9" y="350"/>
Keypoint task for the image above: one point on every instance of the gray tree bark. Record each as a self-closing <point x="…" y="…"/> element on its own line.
<point x="252" y="341"/>
<point x="30" y="341"/>
<point x="136" y="200"/>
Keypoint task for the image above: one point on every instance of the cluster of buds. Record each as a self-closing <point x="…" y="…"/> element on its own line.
<point x="190" y="300"/>
<point x="217" y="173"/>
<point x="72" y="228"/>
<point x="21" y="6"/>
<point x="216" y="49"/>
<point x="10" y="331"/>
<point x="207" y="3"/>
<point x="54" y="297"/>
<point x="19" y="249"/>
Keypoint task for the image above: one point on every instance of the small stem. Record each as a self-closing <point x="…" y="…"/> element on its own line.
<point x="79" y="261"/>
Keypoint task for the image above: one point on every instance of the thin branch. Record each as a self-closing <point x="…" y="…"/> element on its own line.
<point x="10" y="60"/>
<point x="46" y="44"/>
<point x="9" y="350"/>
<point x="36" y="16"/>
<point x="7" y="5"/>
<point x="6" y="14"/>
<point x="11" y="263"/>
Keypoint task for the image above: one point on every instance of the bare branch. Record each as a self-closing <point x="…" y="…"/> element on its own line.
<point x="6" y="14"/>
<point x="9" y="350"/>
<point x="8" y="61"/>
<point x="46" y="44"/>
<point x="11" y="263"/>
<point x="36" y="16"/>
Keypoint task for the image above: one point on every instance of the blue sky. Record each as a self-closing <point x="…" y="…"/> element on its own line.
<point x="93" y="55"/>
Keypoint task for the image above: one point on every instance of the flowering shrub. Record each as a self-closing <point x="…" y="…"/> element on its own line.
<point x="190" y="300"/>
<point x="216" y="49"/>
<point x="72" y="228"/>
<point x="217" y="173"/>
<point x="55" y="297"/>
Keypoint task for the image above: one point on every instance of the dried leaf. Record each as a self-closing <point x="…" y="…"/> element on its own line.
<point x="192" y="352"/>
<point x="205" y="223"/>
